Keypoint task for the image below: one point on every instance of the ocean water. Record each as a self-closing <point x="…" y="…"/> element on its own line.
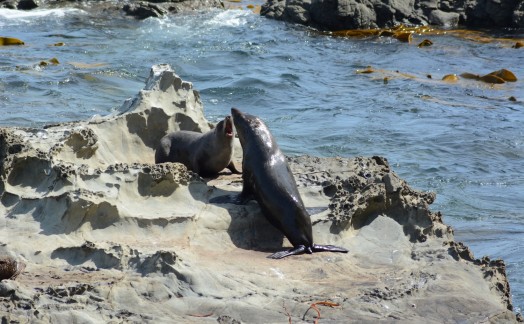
<point x="464" y="140"/>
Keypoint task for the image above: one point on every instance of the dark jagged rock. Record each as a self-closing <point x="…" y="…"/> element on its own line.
<point x="358" y="14"/>
<point x="159" y="8"/>
<point x="137" y="9"/>
<point x="492" y="13"/>
<point x="19" y="4"/>
<point x="143" y="10"/>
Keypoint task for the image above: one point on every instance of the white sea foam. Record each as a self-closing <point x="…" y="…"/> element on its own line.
<point x="164" y="27"/>
<point x="25" y="16"/>
<point x="230" y="18"/>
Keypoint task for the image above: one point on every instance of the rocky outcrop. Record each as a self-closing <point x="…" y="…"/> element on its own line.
<point x="105" y="235"/>
<point x="19" y="4"/>
<point x="138" y="9"/>
<point x="361" y="14"/>
<point x="159" y="8"/>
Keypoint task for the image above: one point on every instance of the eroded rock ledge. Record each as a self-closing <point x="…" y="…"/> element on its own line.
<point x="361" y="14"/>
<point x="106" y="235"/>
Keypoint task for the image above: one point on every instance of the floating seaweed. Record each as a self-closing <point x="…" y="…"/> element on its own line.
<point x="490" y="78"/>
<point x="406" y="37"/>
<point x="236" y="5"/>
<point x="357" y="33"/>
<point x="425" y="43"/>
<point x="10" y="41"/>
<point x="450" y="78"/>
<point x="505" y="75"/>
<point x="471" y="76"/>
<point x="399" y="32"/>
<point x="256" y="9"/>
<point x="53" y="61"/>
<point x="387" y="74"/>
<point x="405" y="34"/>
<point x="496" y="77"/>
<point x="367" y="70"/>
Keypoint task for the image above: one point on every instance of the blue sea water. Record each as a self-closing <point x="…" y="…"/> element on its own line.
<point x="464" y="140"/>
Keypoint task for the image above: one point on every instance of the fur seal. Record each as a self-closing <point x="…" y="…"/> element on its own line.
<point x="269" y="180"/>
<point x="206" y="154"/>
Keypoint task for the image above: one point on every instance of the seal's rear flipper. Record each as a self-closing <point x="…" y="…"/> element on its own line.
<point x="301" y="249"/>
<point x="328" y="248"/>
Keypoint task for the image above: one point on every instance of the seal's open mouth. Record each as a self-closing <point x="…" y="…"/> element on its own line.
<point x="229" y="127"/>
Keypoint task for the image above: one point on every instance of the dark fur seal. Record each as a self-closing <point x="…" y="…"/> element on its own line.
<point x="206" y="154"/>
<point x="269" y="180"/>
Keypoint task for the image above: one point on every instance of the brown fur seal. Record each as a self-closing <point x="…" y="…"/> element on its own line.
<point x="269" y="180"/>
<point x="206" y="154"/>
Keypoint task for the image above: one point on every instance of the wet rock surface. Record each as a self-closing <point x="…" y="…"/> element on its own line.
<point x="136" y="9"/>
<point x="361" y="14"/>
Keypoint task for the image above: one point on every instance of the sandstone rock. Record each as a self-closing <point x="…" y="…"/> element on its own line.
<point x="106" y="235"/>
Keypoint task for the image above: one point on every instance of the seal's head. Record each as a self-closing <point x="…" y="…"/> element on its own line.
<point x="225" y="127"/>
<point x="251" y="127"/>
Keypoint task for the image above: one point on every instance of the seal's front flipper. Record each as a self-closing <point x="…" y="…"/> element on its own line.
<point x="328" y="248"/>
<point x="231" y="166"/>
<point x="301" y="249"/>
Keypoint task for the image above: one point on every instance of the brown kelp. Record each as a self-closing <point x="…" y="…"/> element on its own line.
<point x="5" y="41"/>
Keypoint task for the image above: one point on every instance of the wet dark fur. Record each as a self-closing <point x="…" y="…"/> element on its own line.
<point x="268" y="179"/>
<point x="206" y="154"/>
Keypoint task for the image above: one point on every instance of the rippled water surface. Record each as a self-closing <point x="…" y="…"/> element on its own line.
<point x="465" y="141"/>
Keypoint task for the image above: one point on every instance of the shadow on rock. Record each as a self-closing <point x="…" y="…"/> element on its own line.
<point x="249" y="229"/>
<point x="89" y="252"/>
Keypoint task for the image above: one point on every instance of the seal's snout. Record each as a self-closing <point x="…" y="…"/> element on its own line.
<point x="238" y="118"/>
<point x="229" y="127"/>
<point x="236" y="112"/>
